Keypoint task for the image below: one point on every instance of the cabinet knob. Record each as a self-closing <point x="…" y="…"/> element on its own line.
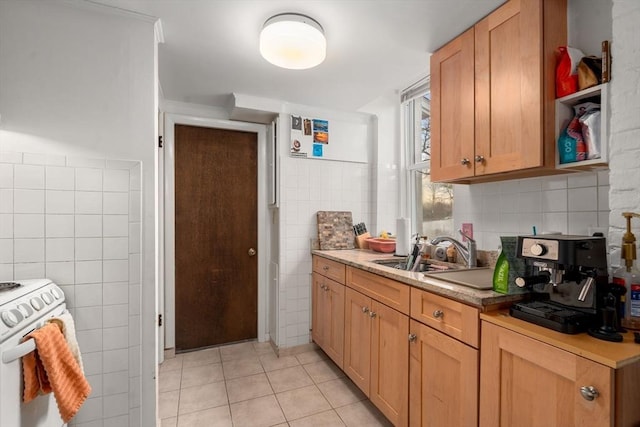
<point x="251" y="252"/>
<point x="325" y="268"/>
<point x="372" y="314"/>
<point x="589" y="392"/>
<point x="412" y="337"/>
<point x="365" y="309"/>
<point x="465" y="161"/>
<point x="479" y="159"/>
<point x="438" y="314"/>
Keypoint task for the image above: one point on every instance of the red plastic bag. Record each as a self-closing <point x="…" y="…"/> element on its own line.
<point x="567" y="70"/>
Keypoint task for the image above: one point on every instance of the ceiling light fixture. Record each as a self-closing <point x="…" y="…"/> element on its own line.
<point x="293" y="41"/>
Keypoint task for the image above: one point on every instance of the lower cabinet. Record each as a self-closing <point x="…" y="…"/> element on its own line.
<point x="328" y="316"/>
<point x="525" y="382"/>
<point x="443" y="379"/>
<point x="376" y="354"/>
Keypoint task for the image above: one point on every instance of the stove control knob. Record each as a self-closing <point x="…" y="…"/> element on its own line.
<point x="47" y="298"/>
<point x="57" y="294"/>
<point x="25" y="309"/>
<point x="11" y="317"/>
<point x="538" y="249"/>
<point x="37" y="303"/>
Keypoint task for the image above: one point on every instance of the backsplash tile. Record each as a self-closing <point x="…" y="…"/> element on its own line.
<point x="568" y="204"/>
<point x="77" y="223"/>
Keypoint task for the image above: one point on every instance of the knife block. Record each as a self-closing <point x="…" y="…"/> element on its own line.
<point x="361" y="241"/>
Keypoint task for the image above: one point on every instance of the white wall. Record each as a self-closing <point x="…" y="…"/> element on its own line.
<point x="388" y="198"/>
<point x="624" y="154"/>
<point x="306" y="187"/>
<point x="79" y="81"/>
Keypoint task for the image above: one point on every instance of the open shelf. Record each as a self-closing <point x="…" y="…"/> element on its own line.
<point x="564" y="114"/>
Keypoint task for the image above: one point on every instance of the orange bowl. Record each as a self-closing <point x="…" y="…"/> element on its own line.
<point x="382" y="245"/>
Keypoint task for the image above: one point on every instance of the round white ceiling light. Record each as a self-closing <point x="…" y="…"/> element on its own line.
<point x="293" y="41"/>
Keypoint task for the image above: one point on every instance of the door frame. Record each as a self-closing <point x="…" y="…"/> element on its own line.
<point x="167" y="217"/>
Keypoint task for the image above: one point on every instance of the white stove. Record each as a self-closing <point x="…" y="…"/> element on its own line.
<point x="25" y="306"/>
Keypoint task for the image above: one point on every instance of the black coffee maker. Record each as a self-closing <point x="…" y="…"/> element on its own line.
<point x="568" y="279"/>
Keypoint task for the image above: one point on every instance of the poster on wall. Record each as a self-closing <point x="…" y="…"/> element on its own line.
<point x="309" y="137"/>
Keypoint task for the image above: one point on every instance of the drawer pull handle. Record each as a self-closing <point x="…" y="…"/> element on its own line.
<point x="589" y="392"/>
<point x="372" y="314"/>
<point x="438" y="314"/>
<point x="365" y="309"/>
<point x="412" y="337"/>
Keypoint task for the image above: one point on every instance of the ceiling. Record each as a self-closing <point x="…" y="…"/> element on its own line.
<point x="374" y="47"/>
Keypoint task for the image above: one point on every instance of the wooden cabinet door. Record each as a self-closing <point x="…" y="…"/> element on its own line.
<point x="452" y="109"/>
<point x="509" y="97"/>
<point x="525" y="382"/>
<point x="317" y="309"/>
<point x="390" y="363"/>
<point x="334" y="322"/>
<point x="443" y="380"/>
<point x="357" y="339"/>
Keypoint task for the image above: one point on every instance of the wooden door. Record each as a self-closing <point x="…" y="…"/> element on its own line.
<point x="357" y="339"/>
<point x="508" y="73"/>
<point x="390" y="363"/>
<point x="215" y="230"/>
<point x="527" y="383"/>
<point x="452" y="110"/>
<point x="334" y="321"/>
<point x="318" y="310"/>
<point x="443" y="380"/>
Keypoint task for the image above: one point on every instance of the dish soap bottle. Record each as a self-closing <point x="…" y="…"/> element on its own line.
<point x="629" y="276"/>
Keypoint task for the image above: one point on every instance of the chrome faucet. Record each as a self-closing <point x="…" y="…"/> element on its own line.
<point x="468" y="253"/>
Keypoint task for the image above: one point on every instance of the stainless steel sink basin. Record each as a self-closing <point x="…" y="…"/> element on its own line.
<point x="478" y="278"/>
<point x="425" y="266"/>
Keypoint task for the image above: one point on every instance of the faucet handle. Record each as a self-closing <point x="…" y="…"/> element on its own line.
<point x="466" y="236"/>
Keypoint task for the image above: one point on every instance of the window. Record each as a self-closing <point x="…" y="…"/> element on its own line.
<point x="431" y="203"/>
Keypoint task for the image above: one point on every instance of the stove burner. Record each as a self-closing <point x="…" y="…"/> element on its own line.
<point x="5" y="286"/>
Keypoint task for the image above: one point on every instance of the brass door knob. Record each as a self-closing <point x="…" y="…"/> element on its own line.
<point x="252" y="252"/>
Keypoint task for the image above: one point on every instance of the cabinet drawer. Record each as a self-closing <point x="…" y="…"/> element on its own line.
<point x="455" y="319"/>
<point x="386" y="291"/>
<point x="331" y="269"/>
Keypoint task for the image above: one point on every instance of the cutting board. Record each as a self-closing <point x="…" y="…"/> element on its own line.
<point x="335" y="230"/>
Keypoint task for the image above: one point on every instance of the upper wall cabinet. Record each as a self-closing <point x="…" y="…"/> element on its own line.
<point x="497" y="120"/>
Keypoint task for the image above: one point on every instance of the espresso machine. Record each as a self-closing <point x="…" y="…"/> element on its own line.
<point x="567" y="276"/>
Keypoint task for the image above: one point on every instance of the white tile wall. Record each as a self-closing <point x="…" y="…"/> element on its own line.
<point x="566" y="203"/>
<point x="307" y="187"/>
<point x="79" y="224"/>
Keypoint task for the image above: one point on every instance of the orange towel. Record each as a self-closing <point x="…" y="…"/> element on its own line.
<point x="52" y="367"/>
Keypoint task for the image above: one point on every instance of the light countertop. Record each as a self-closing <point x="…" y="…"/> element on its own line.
<point x="364" y="259"/>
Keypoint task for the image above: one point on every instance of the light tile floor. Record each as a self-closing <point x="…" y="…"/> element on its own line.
<point x="247" y="385"/>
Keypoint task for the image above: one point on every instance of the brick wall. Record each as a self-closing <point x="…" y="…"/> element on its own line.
<point x="624" y="190"/>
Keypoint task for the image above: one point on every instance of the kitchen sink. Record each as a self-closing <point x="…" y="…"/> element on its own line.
<point x="476" y="277"/>
<point x="425" y="266"/>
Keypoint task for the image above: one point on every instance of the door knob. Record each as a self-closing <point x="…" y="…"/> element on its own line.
<point x="252" y="252"/>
